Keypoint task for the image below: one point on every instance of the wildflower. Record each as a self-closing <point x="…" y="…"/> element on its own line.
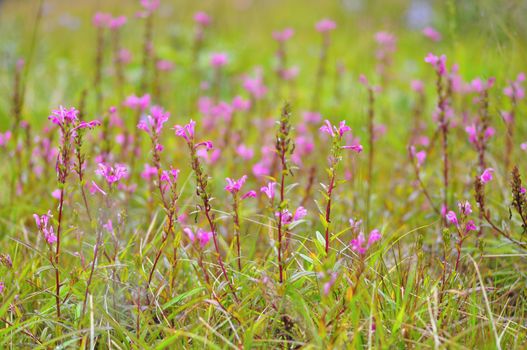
<point x="108" y="226"/>
<point x="137" y="102"/>
<point x="452" y="218"/>
<point x="155" y="121"/>
<point x="44" y="226"/>
<point x="300" y="213"/>
<point x="112" y="174"/>
<point x="202" y="236"/>
<point x="417" y="86"/>
<point x="284" y="35"/>
<point x="4" y="138"/>
<point x="149" y="172"/>
<point x="245" y="152"/>
<point x="360" y="245"/>
<point x="515" y="89"/>
<point x="56" y="194"/>
<point x="94" y="188"/>
<point x="240" y="104"/>
<point x="325" y="25"/>
<point x="202" y="18"/>
<point x="150" y="5"/>
<point x="438" y="62"/>
<point x="165" y="65"/>
<point x="187" y="131"/>
<point x="432" y="34"/>
<point x="486" y="176"/>
<point x="250" y="194"/>
<point x="218" y="60"/>
<point x="101" y="19"/>
<point x="117" y="22"/>
<point x="234" y="186"/>
<point x="269" y="190"/>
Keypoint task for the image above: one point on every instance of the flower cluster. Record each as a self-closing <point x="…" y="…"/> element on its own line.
<point x="463" y="224"/>
<point x="45" y="227"/>
<point x="201" y="236"/>
<point x="112" y="174"/>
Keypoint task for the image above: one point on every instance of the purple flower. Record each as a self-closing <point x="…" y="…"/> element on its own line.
<point x="112" y="174"/>
<point x="439" y="63"/>
<point x="137" y="103"/>
<point x="63" y="116"/>
<point x="452" y="217"/>
<point x="44" y="226"/>
<point x="202" y="18"/>
<point x="487" y="175"/>
<point x="234" y="186"/>
<point x="250" y="194"/>
<point x="219" y="59"/>
<point x="464" y="208"/>
<point x="470" y="226"/>
<point x="284" y="35"/>
<point x="325" y="25"/>
<point x="269" y="190"/>
<point x="186" y="131"/>
<point x="155" y="121"/>
<point x="432" y="34"/>
<point x="300" y="213"/>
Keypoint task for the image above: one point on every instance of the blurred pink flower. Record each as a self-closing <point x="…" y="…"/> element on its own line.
<point x="486" y="176"/>
<point x="202" y="18"/>
<point x="219" y="59"/>
<point x="325" y="25"/>
<point x="432" y="34"/>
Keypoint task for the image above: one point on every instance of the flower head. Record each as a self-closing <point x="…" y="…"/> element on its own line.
<point x="438" y="62"/>
<point x="486" y="176"/>
<point x="234" y="186"/>
<point x="269" y="190"/>
<point x="432" y="34"/>
<point x="284" y="35"/>
<point x="325" y="25"/>
<point x="202" y="18"/>
<point x="219" y="59"/>
<point x="112" y="174"/>
<point x="186" y="131"/>
<point x="44" y="226"/>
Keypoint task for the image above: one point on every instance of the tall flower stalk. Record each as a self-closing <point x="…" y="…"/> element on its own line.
<point x="516" y="92"/>
<point x="69" y="125"/>
<point x="284" y="147"/>
<point x="335" y="158"/>
<point x="443" y="112"/>
<point x="202" y="181"/>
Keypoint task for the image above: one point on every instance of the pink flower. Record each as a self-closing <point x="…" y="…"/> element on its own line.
<point x="432" y="34"/>
<point x="170" y="176"/>
<point x="374" y="236"/>
<point x="44" y="226"/>
<point x="417" y="86"/>
<point x="138" y="103"/>
<point x="101" y="19"/>
<point x="155" y="121"/>
<point x="189" y="234"/>
<point x="245" y="152"/>
<point x="149" y="172"/>
<point x="240" y="104"/>
<point x="150" y="5"/>
<point x="255" y="86"/>
<point x="250" y="194"/>
<point x="487" y="175"/>
<point x="470" y="226"/>
<point x="63" y="116"/>
<point x="439" y="63"/>
<point x="187" y="131"/>
<point x="464" y="208"/>
<point x="219" y="59"/>
<point x="165" y="65"/>
<point x="124" y="56"/>
<point x="300" y="213"/>
<point x="202" y="18"/>
<point x="108" y="226"/>
<point x="452" y="218"/>
<point x="283" y="35"/>
<point x="4" y="138"/>
<point x="312" y="117"/>
<point x="112" y="174"/>
<point x="56" y="194"/>
<point x="420" y="156"/>
<point x="515" y="89"/>
<point x="117" y="22"/>
<point x="234" y="186"/>
<point x="325" y="25"/>
<point x="269" y="190"/>
<point x="523" y="146"/>
<point x="94" y="188"/>
<point x="204" y="237"/>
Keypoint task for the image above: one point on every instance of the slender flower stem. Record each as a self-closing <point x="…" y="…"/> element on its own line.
<point x="57" y="252"/>
<point x="328" y="207"/>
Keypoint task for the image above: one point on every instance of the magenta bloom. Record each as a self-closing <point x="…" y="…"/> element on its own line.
<point x="515" y="89"/>
<point x="325" y="25"/>
<point x="452" y="218"/>
<point x="360" y="245"/>
<point x="269" y="190"/>
<point x="300" y="213"/>
<point x="234" y="186"/>
<point x="219" y="59"/>
<point x="250" y="194"/>
<point x="155" y="121"/>
<point x="94" y="188"/>
<point x="138" y="103"/>
<point x="245" y="152"/>
<point x="439" y="63"/>
<point x="4" y="138"/>
<point x="284" y="35"/>
<point x="202" y="18"/>
<point x="44" y="226"/>
<point x="150" y="5"/>
<point x="112" y="174"/>
<point x="470" y="226"/>
<point x="165" y="65"/>
<point x="64" y="116"/>
<point x="420" y="156"/>
<point x="240" y="104"/>
<point x="117" y="22"/>
<point x="101" y="19"/>
<point x="108" y="226"/>
<point x="203" y="237"/>
<point x="187" y="131"/>
<point x="417" y="86"/>
<point x="332" y="130"/>
<point x="432" y="34"/>
<point x="149" y="172"/>
<point x="487" y="175"/>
